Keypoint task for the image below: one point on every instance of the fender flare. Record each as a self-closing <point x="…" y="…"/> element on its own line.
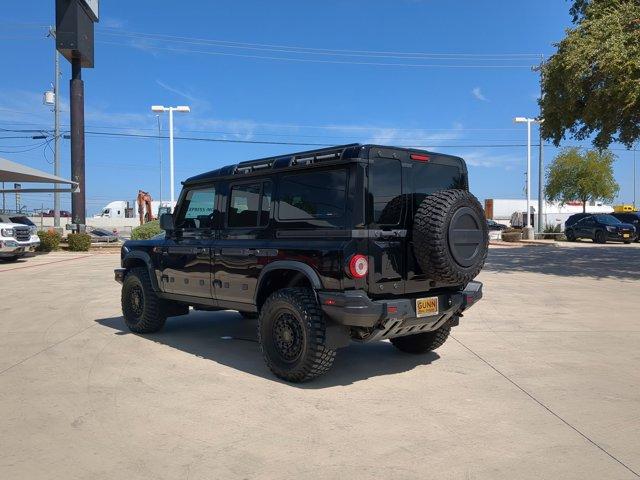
<point x="303" y="268"/>
<point x="146" y="259"/>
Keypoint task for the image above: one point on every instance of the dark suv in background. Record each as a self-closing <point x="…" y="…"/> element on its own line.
<point x="601" y="228"/>
<point x="357" y="242"/>
<point x="631" y="218"/>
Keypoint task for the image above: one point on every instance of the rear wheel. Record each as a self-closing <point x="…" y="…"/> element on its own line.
<point x="422" y="342"/>
<point x="143" y="311"/>
<point x="292" y="335"/>
<point x="571" y="236"/>
<point x="600" y="237"/>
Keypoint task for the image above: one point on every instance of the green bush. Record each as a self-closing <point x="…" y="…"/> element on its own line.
<point x="146" y="231"/>
<point x="79" y="242"/>
<point x="49" y="240"/>
<point x="552" y="229"/>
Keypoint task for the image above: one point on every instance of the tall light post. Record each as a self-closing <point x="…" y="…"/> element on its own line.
<point x="179" y="108"/>
<point x="528" y="121"/>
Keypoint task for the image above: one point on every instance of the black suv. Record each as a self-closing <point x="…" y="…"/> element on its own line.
<point x="632" y="218"/>
<point x="600" y="228"/>
<point x="356" y="242"/>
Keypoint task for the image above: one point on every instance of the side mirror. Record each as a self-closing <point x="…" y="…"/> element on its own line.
<point x="166" y="222"/>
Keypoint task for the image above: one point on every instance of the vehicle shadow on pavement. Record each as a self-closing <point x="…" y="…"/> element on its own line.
<point x="228" y="339"/>
<point x="596" y="261"/>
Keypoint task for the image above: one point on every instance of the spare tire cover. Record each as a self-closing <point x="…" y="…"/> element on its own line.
<point x="450" y="237"/>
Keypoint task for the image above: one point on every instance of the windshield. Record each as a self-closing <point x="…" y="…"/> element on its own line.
<point x="607" y="219"/>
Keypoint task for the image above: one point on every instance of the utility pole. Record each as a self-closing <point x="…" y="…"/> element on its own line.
<point x="56" y="129"/>
<point x="74" y="40"/>
<point x="78" y="207"/>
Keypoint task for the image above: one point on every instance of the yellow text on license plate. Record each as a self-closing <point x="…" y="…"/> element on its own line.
<point x="427" y="306"/>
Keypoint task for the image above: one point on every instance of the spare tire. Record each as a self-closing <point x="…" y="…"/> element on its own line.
<point x="450" y="237"/>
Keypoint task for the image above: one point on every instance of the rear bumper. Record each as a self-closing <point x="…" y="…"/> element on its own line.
<point x="355" y="309"/>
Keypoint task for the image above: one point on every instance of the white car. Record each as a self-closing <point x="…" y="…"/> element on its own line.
<point x="16" y="239"/>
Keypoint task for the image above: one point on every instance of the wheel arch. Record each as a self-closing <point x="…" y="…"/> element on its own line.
<point x="137" y="258"/>
<point x="284" y="274"/>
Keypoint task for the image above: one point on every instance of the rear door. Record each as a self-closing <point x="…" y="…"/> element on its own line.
<point x="387" y="237"/>
<point x="240" y="251"/>
<point x="186" y="256"/>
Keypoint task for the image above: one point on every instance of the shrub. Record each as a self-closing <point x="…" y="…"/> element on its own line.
<point x="552" y="229"/>
<point x="512" y="236"/>
<point x="79" y="242"/>
<point x="146" y="231"/>
<point x="49" y="240"/>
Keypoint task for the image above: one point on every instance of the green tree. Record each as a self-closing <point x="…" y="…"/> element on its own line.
<point x="591" y="85"/>
<point x="576" y="176"/>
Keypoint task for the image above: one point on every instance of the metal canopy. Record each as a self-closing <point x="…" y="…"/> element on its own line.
<point x="14" y="172"/>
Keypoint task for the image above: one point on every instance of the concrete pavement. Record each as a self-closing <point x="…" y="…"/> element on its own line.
<point x="540" y="380"/>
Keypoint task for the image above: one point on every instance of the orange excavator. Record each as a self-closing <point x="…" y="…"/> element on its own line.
<point x="145" y="211"/>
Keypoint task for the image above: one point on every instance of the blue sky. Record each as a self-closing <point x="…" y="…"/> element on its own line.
<point x="450" y="75"/>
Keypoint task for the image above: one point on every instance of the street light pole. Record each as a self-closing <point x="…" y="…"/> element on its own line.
<point x="160" y="155"/>
<point x="528" y="121"/>
<point x="179" y="108"/>
<point x="171" y="179"/>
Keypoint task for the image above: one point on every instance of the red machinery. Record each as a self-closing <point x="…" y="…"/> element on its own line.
<point x="144" y="205"/>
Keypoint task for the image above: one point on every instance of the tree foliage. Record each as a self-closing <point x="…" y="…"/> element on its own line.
<point x="591" y="85"/>
<point x="576" y="176"/>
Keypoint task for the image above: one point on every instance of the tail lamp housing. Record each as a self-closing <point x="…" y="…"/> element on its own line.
<point x="358" y="266"/>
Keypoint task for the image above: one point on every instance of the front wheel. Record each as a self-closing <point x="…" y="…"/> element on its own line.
<point x="143" y="311"/>
<point x="292" y="335"/>
<point x="422" y="342"/>
<point x="600" y="237"/>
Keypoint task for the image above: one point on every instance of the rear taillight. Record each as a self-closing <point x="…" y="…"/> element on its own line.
<point x="358" y="266"/>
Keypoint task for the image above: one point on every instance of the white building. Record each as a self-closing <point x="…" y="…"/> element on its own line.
<point x="502" y="209"/>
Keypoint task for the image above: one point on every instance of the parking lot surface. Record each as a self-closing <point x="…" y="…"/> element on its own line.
<point x="540" y="380"/>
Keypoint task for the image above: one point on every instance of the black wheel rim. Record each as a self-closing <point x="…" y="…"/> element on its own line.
<point x="288" y="337"/>
<point x="136" y="300"/>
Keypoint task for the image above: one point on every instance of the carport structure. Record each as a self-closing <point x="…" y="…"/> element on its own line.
<point x="14" y="172"/>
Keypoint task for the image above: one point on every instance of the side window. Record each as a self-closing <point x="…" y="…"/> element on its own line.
<point x="385" y="187"/>
<point x="313" y="195"/>
<point x="250" y="205"/>
<point x="198" y="209"/>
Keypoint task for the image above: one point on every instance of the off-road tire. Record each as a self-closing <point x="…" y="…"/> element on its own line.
<point x="299" y="308"/>
<point x="422" y="342"/>
<point x="149" y="316"/>
<point x="433" y="247"/>
<point x="571" y="236"/>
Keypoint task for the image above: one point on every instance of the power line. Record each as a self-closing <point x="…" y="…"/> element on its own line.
<point x="309" y="60"/>
<point x="318" y="51"/>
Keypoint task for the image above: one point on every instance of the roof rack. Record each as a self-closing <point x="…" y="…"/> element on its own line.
<point x="300" y="158"/>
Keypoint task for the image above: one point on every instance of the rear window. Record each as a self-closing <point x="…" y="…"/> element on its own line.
<point x="429" y="178"/>
<point x="250" y="205"/>
<point x="313" y="195"/>
<point x="385" y="185"/>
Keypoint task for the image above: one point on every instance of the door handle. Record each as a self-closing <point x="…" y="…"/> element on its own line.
<point x="202" y="251"/>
